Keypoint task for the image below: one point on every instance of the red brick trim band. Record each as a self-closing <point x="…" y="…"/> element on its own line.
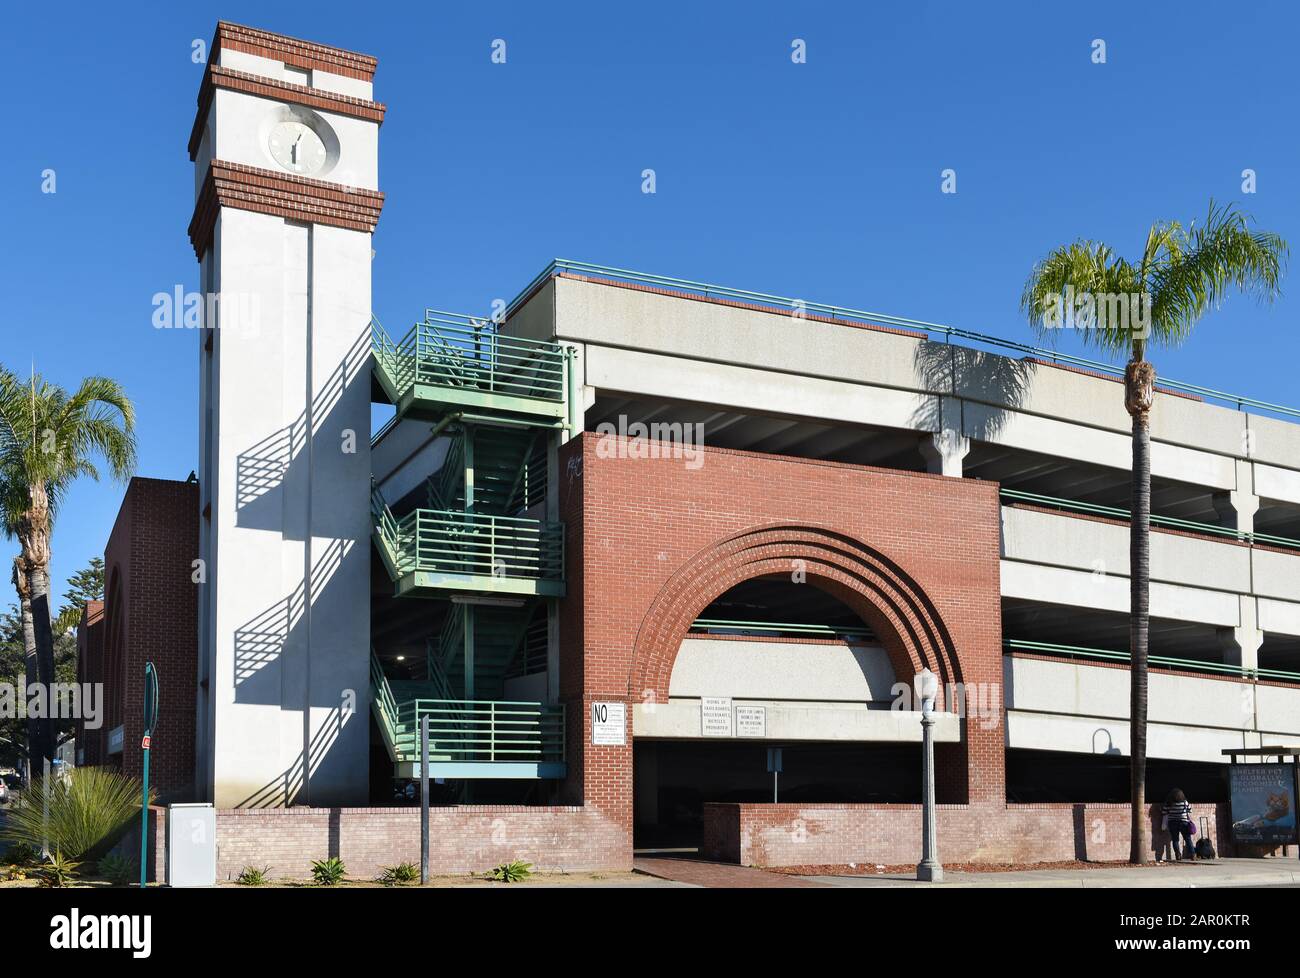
<point x="295" y="198"/>
<point x="292" y="51"/>
<point x="282" y="91"/>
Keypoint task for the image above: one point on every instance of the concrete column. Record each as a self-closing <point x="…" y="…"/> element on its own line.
<point x="943" y="452"/>
<point x="1240" y="645"/>
<point x="1238" y="507"/>
<point x="1237" y="510"/>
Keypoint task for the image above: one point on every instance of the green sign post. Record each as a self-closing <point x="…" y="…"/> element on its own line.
<point x="150" y="721"/>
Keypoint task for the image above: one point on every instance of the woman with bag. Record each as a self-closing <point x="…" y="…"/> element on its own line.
<point x="1178" y="820"/>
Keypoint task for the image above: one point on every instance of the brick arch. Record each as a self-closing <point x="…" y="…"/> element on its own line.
<point x="876" y="588"/>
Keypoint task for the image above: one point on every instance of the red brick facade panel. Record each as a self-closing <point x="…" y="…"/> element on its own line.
<point x="652" y="541"/>
<point x="890" y="835"/>
<point x="151" y="615"/>
<point x="464" y="839"/>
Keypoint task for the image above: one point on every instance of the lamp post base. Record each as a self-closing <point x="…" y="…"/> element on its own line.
<point x="929" y="872"/>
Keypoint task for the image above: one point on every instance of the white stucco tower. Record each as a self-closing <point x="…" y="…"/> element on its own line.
<point x="285" y="148"/>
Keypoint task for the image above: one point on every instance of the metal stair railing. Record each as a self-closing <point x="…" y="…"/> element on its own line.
<point x="383" y="704"/>
<point x="436" y="674"/>
<point x="477" y="731"/>
<point x="447" y="483"/>
<point x="475" y="544"/>
<point x="452" y="349"/>
<point x="388" y="529"/>
<point x="530" y="652"/>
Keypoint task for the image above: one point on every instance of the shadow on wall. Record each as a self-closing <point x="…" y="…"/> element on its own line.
<point x="263" y="470"/>
<point x="283" y="790"/>
<point x="1161" y="840"/>
<point x="949" y="371"/>
<point x="264" y="638"/>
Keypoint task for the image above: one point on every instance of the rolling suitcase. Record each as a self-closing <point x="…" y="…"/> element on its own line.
<point x="1204" y="847"/>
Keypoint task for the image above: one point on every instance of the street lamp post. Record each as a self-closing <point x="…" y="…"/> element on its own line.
<point x="928" y="869"/>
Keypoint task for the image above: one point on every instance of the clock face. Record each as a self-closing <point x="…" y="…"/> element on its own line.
<point x="297" y="148"/>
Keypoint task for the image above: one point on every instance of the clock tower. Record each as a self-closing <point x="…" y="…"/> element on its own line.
<point x="285" y="149"/>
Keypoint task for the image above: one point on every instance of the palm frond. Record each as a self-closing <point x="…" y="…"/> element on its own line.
<point x="1218" y="255"/>
<point x="1070" y="274"/>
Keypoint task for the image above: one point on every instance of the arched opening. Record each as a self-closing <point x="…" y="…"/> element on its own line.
<point x="796" y="656"/>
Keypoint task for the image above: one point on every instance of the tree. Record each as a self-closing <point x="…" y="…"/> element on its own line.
<point x="84" y="586"/>
<point x="1126" y="307"/>
<point x="48" y="440"/>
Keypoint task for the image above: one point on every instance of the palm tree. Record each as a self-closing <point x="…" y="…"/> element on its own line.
<point x="12" y="499"/>
<point x="48" y="439"/>
<point x="1182" y="273"/>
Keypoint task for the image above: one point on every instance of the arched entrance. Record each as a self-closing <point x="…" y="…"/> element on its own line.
<point x="898" y="611"/>
<point x="812" y="628"/>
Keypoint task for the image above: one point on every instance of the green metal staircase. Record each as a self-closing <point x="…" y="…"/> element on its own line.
<point x="499" y="400"/>
<point x="499" y="638"/>
<point x="451" y="362"/>
<point x="468" y="739"/>
<point x="508" y="469"/>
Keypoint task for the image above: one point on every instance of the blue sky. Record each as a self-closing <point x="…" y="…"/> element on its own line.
<point x="819" y="180"/>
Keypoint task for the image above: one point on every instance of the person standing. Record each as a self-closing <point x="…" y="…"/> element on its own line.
<point x="1178" y="820"/>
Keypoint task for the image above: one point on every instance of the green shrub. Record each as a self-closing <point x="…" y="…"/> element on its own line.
<point x="118" y="869"/>
<point x="22" y="854"/>
<point x="400" y="874"/>
<point x="58" y="871"/>
<point x="328" y="872"/>
<point x="512" y="872"/>
<point x="252" y="876"/>
<point x="89" y="810"/>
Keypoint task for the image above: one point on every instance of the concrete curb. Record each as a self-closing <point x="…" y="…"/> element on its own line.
<point x="1208" y="876"/>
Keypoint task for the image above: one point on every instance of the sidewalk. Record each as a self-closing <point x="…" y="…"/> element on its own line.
<point x="1220" y="872"/>
<point x="700" y="872"/>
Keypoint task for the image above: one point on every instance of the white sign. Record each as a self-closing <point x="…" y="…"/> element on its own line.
<point x="751" y="721"/>
<point x="715" y="716"/>
<point x="609" y="724"/>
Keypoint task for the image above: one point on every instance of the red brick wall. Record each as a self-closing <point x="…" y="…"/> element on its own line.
<point x="152" y="615"/>
<point x="650" y="542"/>
<point x="463" y="839"/>
<point x="90" y="670"/>
<point x="890" y="835"/>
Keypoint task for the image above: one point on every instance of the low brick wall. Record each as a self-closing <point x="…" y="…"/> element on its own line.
<point x="462" y="839"/>
<point x="794" y="835"/>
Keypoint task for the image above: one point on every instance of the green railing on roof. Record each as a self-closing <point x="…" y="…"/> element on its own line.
<point x="1159" y="661"/>
<point x="728" y="626"/>
<point x="1169" y="522"/>
<point x="948" y="333"/>
<point x="451" y="350"/>
<point x="476" y="731"/>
